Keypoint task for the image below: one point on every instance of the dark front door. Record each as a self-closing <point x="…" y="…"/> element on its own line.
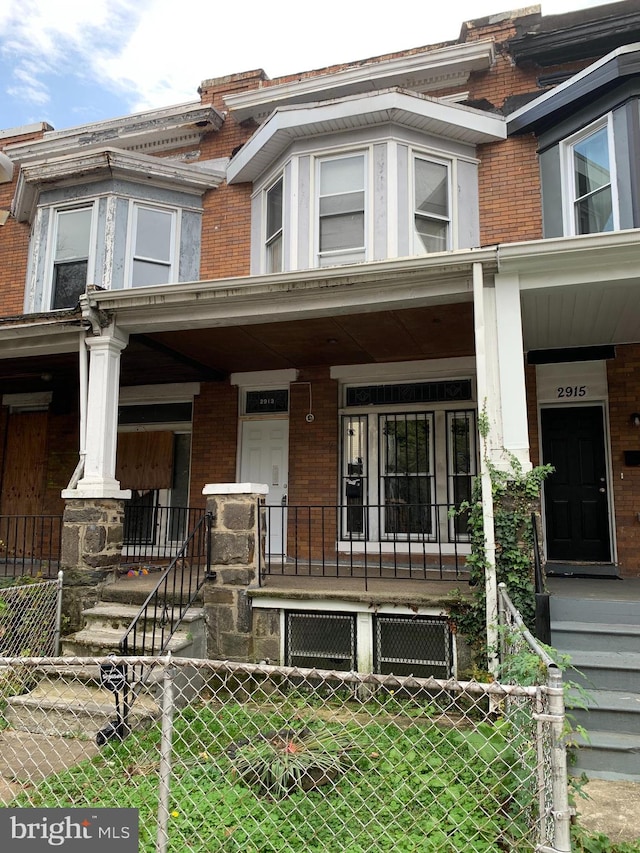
<point x="576" y="504"/>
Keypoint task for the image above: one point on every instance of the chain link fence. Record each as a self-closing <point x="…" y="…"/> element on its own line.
<point x="246" y="758"/>
<point x="30" y="615"/>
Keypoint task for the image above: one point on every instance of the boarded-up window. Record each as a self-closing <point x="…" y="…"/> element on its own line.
<point x="145" y="460"/>
<point x="24" y="463"/>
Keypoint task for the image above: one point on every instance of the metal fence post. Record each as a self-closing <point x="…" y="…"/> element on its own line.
<point x="58" y="626"/>
<point x="560" y="791"/>
<point x="164" y="782"/>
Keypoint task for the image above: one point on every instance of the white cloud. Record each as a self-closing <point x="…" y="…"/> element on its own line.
<point x="156" y="52"/>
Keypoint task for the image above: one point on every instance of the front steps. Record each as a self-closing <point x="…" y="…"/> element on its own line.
<point x="72" y="702"/>
<point x="597" y="624"/>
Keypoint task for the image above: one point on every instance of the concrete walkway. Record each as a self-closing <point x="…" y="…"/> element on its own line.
<point x="612" y="808"/>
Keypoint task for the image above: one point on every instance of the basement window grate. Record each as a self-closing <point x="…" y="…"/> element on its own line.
<point x="321" y="640"/>
<point x="407" y="645"/>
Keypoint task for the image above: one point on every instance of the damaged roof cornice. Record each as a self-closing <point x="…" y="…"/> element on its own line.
<point x="108" y="162"/>
<point x="152" y="131"/>
<point x="423" y="71"/>
<point x="429" y="115"/>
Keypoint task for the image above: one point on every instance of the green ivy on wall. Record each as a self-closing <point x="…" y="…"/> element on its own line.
<point x="516" y="494"/>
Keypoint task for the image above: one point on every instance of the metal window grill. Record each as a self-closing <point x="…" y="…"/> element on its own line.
<point x="324" y="640"/>
<point x="407" y="645"/>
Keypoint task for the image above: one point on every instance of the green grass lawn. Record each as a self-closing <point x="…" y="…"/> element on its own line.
<point x="407" y="783"/>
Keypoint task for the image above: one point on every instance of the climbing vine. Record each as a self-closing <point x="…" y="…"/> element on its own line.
<point x="515" y="493"/>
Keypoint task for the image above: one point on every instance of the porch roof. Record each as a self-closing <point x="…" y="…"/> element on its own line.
<point x="579" y="291"/>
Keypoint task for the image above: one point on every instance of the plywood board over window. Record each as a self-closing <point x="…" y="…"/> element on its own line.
<point x="145" y="460"/>
<point x="24" y="463"/>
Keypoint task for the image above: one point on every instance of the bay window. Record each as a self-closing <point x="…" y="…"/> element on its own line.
<point x="72" y="243"/>
<point x="589" y="176"/>
<point x="273" y="241"/>
<point x="431" y="205"/>
<point x="341" y="210"/>
<point x="152" y="254"/>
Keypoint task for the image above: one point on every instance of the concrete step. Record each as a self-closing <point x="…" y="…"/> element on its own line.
<point x="610" y="610"/>
<point x="59" y="706"/>
<point x="594" y="670"/>
<point x="607" y="710"/>
<point x="107" y="615"/>
<point x="603" y="636"/>
<point x="607" y="755"/>
<point x="107" y="622"/>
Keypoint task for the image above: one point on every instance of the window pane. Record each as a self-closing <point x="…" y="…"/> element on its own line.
<point x="354" y="470"/>
<point x="69" y="282"/>
<point x="407" y="444"/>
<point x="344" y="203"/>
<point x="146" y="273"/>
<point x="274" y="209"/>
<point x="432" y="191"/>
<point x="595" y="213"/>
<point x="274" y="255"/>
<point x="591" y="163"/>
<point x="342" y="175"/>
<point x="153" y="234"/>
<point x="432" y="234"/>
<point x="73" y="233"/>
<point x="341" y="232"/>
<point x="407" y="505"/>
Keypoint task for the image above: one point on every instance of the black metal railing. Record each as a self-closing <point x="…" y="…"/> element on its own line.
<point x="401" y="542"/>
<point x="158" y="619"/>
<point x="153" y="534"/>
<point x="543" y="607"/>
<point x="30" y="545"/>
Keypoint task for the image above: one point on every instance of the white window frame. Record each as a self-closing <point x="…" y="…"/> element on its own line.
<point x="268" y="240"/>
<point x="440" y="465"/>
<point x="176" y="221"/>
<point x="567" y="176"/>
<point x="417" y="245"/>
<point x="52" y="236"/>
<point x="366" y="188"/>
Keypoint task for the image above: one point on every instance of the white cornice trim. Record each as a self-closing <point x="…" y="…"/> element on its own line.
<point x="6" y="169"/>
<point x="441" y="368"/>
<point x="154" y="130"/>
<point x="424" y="71"/>
<point x="111" y="163"/>
<point x="264" y="378"/>
<point x="429" y="115"/>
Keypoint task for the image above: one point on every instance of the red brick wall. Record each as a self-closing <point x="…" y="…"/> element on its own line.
<point x="14" y="245"/>
<point x="624" y="399"/>
<point x="215" y="431"/>
<point x="313" y="457"/>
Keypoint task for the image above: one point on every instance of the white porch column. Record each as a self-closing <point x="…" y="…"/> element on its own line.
<point x="98" y="480"/>
<point x="513" y="394"/>
<point x="486" y="401"/>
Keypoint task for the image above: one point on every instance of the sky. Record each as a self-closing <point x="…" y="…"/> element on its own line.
<point x="70" y="62"/>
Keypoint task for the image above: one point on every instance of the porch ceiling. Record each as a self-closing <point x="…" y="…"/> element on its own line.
<point x="421" y="333"/>
<point x="588" y="314"/>
<point x="440" y="331"/>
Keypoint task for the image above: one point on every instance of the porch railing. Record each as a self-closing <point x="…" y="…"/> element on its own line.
<point x="30" y="545"/>
<point x="401" y="542"/>
<point x="154" y="534"/>
<point x="176" y="590"/>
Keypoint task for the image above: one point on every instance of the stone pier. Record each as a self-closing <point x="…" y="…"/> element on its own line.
<point x="236" y="544"/>
<point x="91" y="550"/>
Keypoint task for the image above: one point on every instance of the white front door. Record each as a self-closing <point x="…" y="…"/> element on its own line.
<point x="264" y="458"/>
